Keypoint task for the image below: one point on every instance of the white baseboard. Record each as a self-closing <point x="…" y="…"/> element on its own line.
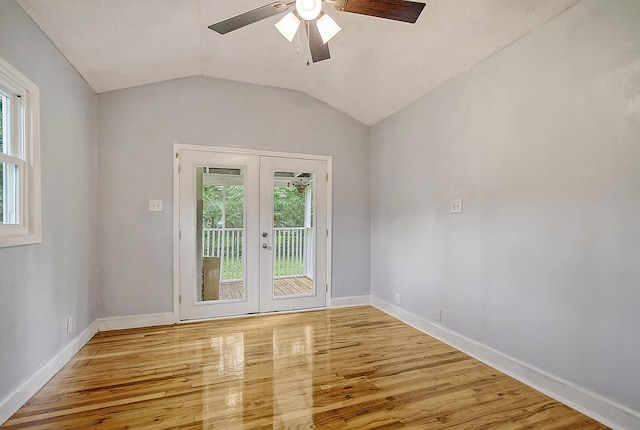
<point x="166" y="318"/>
<point x="346" y="302"/>
<point x="587" y="402"/>
<point x="15" y="400"/>
<point x="135" y="321"/>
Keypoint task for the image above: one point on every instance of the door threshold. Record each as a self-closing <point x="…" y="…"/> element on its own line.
<point x="253" y="314"/>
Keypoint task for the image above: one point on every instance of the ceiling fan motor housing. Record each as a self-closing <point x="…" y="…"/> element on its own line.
<point x="308" y="9"/>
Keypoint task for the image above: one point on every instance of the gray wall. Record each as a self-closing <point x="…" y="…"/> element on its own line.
<point x="542" y="141"/>
<point x="136" y="131"/>
<point x="40" y="285"/>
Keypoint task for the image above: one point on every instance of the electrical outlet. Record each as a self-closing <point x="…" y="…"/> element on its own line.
<point x="438" y="315"/>
<point x="456" y="206"/>
<point x="155" y="205"/>
<point x="69" y="324"/>
<point x="397" y="299"/>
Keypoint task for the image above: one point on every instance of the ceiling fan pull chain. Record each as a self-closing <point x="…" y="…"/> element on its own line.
<point x="309" y="43"/>
<point x="298" y="47"/>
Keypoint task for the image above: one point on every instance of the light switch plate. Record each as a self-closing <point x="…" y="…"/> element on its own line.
<point x="155" y="205"/>
<point x="456" y="206"/>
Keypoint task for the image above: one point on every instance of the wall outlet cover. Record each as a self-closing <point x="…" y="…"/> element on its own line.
<point x="456" y="205"/>
<point x="155" y="205"/>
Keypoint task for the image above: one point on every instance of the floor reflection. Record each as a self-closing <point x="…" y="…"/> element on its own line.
<point x="223" y="368"/>
<point x="293" y="377"/>
<point x="266" y="378"/>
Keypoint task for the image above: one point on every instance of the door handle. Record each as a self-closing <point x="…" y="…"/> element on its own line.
<point x="265" y="234"/>
<point x="265" y="246"/>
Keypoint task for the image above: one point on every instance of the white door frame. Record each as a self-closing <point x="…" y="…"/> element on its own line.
<point x="177" y="147"/>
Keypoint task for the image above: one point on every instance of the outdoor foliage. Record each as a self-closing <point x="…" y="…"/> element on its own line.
<point x="288" y="207"/>
<point x="212" y="203"/>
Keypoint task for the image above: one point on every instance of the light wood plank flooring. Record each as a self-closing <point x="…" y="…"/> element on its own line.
<point x="281" y="287"/>
<point x="354" y="368"/>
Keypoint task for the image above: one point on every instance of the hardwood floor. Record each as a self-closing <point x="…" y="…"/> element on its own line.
<point x="354" y="368"/>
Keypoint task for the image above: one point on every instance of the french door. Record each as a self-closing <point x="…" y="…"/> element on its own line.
<point x="252" y="232"/>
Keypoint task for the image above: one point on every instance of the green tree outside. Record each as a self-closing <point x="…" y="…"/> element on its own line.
<point x="212" y="205"/>
<point x="288" y="207"/>
<point x="288" y="211"/>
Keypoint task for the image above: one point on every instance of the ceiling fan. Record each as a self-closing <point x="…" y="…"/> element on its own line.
<point x="319" y="26"/>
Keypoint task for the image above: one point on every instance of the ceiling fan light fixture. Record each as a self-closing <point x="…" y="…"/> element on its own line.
<point x="308" y="9"/>
<point x="327" y="27"/>
<point x="288" y="26"/>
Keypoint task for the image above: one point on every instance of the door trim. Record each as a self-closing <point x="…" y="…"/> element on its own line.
<point x="177" y="147"/>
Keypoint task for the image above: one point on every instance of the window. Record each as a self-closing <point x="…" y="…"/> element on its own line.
<point x="19" y="159"/>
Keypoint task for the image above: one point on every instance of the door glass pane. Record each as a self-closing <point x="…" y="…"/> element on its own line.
<point x="221" y="231"/>
<point x="293" y="234"/>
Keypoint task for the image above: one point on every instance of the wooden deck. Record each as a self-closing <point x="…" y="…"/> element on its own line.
<point x="353" y="368"/>
<point x="282" y="287"/>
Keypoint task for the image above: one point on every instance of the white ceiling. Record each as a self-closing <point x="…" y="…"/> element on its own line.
<point x="377" y="66"/>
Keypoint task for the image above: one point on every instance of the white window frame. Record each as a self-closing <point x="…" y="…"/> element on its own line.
<point x="23" y="143"/>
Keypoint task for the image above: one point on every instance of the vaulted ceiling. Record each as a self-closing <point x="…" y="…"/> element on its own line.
<point x="377" y="66"/>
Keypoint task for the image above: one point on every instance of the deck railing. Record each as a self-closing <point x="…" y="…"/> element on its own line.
<point x="290" y="247"/>
<point x="227" y="244"/>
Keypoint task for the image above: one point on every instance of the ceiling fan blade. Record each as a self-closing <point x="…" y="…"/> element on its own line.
<point x="319" y="50"/>
<point x="255" y="15"/>
<point x="398" y="10"/>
